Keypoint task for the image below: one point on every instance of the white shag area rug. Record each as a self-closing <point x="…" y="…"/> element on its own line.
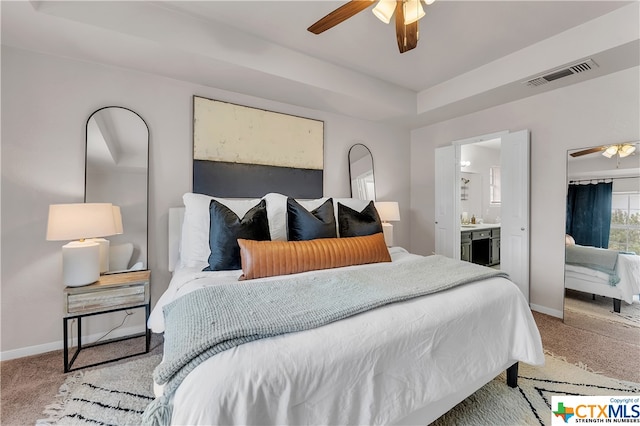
<point x="530" y="403"/>
<point x="118" y="395"/>
<point x="115" y="395"/>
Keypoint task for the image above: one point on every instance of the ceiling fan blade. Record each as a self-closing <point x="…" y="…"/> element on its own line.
<point x="342" y="13"/>
<point x="588" y="151"/>
<point x="406" y="35"/>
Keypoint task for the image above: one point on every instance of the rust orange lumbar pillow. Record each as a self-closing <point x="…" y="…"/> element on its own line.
<point x="270" y="258"/>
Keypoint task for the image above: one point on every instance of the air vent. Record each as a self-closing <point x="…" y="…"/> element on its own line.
<point x="581" y="67"/>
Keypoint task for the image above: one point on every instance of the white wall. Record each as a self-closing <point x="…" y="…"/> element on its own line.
<point x="599" y="111"/>
<point x="46" y="101"/>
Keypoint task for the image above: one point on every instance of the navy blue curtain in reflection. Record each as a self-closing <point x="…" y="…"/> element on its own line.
<point x="589" y="214"/>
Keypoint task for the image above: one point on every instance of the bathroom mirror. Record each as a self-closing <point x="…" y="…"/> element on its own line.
<point x="603" y="212"/>
<point x="471" y="194"/>
<point x="361" y="175"/>
<point x="116" y="171"/>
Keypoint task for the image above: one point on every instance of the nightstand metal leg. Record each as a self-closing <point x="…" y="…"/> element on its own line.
<point x="65" y="333"/>
<point x="79" y="334"/>
<point x="147" y="312"/>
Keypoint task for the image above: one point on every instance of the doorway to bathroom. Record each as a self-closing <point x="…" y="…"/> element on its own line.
<point x="513" y="194"/>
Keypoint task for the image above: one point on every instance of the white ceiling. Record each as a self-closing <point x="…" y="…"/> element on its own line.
<point x="471" y="54"/>
<point x="455" y="37"/>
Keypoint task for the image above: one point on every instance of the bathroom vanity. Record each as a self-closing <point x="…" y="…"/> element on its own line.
<point x="480" y="243"/>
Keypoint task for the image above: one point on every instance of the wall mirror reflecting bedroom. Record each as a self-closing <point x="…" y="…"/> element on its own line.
<point x="602" y="256"/>
<point x="116" y="171"/>
<point x="361" y="176"/>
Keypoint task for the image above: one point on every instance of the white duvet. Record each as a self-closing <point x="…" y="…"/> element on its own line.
<point x="373" y="368"/>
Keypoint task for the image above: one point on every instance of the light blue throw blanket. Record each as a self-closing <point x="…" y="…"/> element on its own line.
<point x="600" y="259"/>
<point x="210" y="320"/>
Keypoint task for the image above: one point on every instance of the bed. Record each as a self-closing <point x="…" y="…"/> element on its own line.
<point x="616" y="275"/>
<point x="406" y="362"/>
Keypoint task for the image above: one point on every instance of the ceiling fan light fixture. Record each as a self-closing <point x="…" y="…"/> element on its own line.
<point x="413" y="11"/>
<point x="626" y="150"/>
<point x="384" y="10"/>
<point x="611" y="151"/>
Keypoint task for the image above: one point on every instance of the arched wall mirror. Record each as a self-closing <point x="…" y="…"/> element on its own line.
<point x="117" y="172"/>
<point x="603" y="241"/>
<point x="363" y="185"/>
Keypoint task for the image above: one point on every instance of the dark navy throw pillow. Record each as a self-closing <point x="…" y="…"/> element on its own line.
<point x="303" y="224"/>
<point x="225" y="229"/>
<point x="352" y="223"/>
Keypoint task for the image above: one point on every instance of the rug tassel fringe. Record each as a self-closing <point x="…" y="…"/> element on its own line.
<point x="54" y="411"/>
<point x="581" y="365"/>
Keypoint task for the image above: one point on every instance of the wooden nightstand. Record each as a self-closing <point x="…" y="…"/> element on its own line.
<point x="111" y="293"/>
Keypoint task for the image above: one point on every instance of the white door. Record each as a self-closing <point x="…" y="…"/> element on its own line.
<point x="514" y="233"/>
<point x="445" y="190"/>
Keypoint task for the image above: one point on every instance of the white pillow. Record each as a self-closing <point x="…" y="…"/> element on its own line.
<point x="194" y="244"/>
<point x="277" y="213"/>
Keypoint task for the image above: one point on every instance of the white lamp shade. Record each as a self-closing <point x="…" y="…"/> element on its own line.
<point x="79" y="221"/>
<point x="384" y="10"/>
<point x="413" y="11"/>
<point x="117" y="217"/>
<point x="388" y="211"/>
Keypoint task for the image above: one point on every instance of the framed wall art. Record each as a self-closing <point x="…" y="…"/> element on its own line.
<point x="239" y="151"/>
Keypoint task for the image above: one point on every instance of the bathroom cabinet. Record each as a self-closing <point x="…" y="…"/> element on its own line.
<point x="480" y="244"/>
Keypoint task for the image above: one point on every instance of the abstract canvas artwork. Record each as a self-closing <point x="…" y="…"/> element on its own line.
<point x="239" y="151"/>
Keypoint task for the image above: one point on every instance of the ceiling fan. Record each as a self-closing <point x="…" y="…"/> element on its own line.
<point x="621" y="150"/>
<point x="408" y="12"/>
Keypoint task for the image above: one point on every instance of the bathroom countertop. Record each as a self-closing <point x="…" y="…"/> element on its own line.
<point x="478" y="227"/>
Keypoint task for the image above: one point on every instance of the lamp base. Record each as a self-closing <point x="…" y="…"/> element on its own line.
<point x="80" y="263"/>
<point x="104" y="253"/>
<point x="387" y="231"/>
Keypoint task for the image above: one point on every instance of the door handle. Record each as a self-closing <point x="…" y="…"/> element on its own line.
<point x="522" y="229"/>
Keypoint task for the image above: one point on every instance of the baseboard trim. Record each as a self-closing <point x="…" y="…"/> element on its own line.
<point x="56" y="346"/>
<point x="548" y="311"/>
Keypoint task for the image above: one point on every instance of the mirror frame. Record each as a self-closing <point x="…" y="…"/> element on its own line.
<point x="86" y="140"/>
<point x="372" y="169"/>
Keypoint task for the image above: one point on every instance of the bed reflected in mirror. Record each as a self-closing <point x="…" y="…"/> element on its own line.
<point x="602" y="242"/>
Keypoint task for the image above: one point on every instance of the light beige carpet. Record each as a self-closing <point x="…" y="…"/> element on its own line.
<point x="118" y="395"/>
<point x="602" y="308"/>
<point x="581" y="311"/>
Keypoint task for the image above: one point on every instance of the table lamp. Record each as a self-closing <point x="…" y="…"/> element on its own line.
<point x="80" y="221"/>
<point x="388" y="212"/>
